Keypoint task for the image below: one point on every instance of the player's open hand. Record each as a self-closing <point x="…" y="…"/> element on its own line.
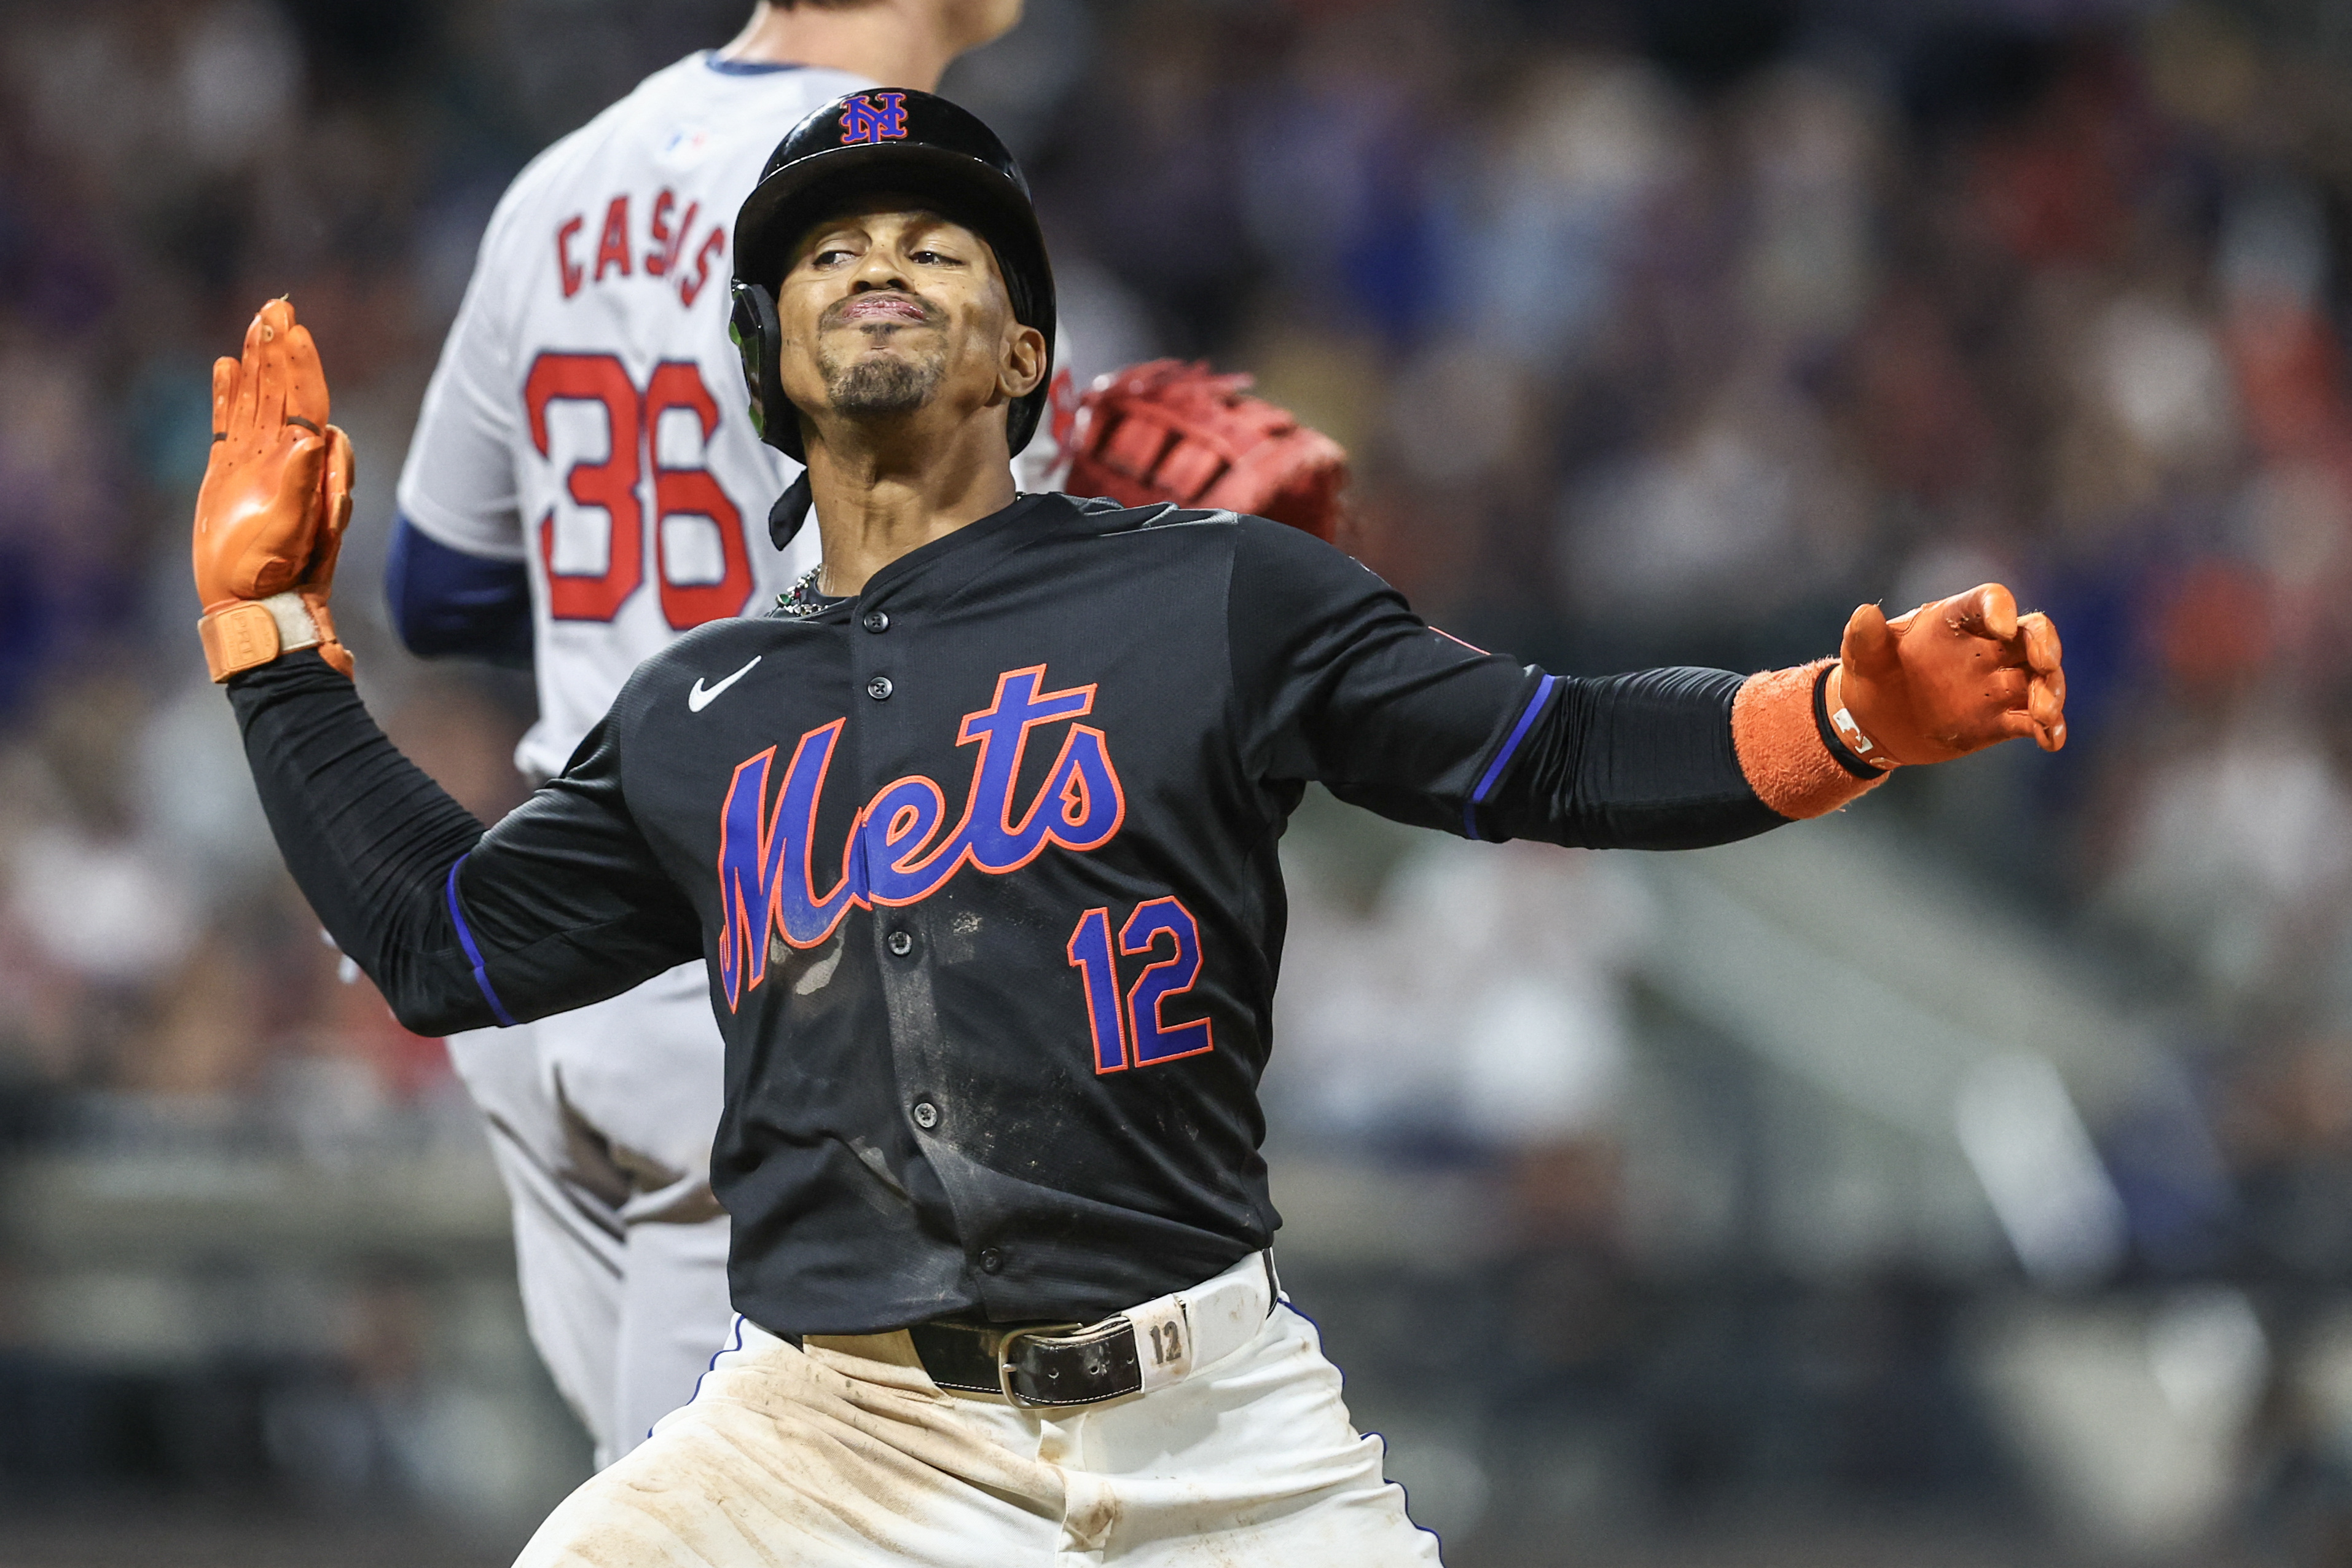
<point x="1948" y="678"/>
<point x="259" y="514"/>
<point x="276" y="498"/>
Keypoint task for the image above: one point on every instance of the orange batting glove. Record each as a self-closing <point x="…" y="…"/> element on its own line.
<point x="1948" y="678"/>
<point x="276" y="498"/>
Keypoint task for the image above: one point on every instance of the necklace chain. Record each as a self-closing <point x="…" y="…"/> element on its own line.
<point x="800" y="601"/>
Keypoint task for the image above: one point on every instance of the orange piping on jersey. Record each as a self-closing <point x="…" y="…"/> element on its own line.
<point x="1449" y="636"/>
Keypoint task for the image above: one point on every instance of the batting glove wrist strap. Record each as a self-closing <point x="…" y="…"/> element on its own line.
<point x="1854" y="752"/>
<point x="249" y="632"/>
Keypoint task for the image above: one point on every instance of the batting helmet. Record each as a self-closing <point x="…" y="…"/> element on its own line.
<point x="870" y="141"/>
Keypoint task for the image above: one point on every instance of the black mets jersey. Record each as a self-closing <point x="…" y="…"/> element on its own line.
<point x="982" y="863"/>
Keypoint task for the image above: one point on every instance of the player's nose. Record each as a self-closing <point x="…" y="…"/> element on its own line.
<point x="880" y="267"/>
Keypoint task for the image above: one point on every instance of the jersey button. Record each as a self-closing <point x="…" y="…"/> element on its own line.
<point x="927" y="1115"/>
<point x="879" y="688"/>
<point x="901" y="944"/>
<point x="991" y="1260"/>
<point x="877" y="621"/>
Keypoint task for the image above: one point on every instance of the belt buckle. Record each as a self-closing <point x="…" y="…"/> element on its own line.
<point x="1005" y="1359"/>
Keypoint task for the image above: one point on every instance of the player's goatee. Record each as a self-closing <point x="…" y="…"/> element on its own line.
<point x="870" y="387"/>
<point x="881" y="387"/>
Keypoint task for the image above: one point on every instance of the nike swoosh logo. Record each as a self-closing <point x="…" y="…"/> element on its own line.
<point x="699" y="697"/>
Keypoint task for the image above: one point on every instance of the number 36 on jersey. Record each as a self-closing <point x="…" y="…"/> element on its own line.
<point x="586" y="408"/>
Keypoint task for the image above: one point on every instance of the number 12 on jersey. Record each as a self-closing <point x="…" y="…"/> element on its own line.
<point x="1128" y="1030"/>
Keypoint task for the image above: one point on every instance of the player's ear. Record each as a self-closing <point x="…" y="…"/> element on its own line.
<point x="1023" y="368"/>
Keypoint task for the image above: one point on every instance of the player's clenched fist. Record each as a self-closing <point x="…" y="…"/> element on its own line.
<point x="1948" y="678"/>
<point x="275" y="497"/>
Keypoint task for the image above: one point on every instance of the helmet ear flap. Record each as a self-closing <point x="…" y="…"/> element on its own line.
<point x="758" y="337"/>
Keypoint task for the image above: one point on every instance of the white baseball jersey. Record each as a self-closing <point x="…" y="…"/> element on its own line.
<point x="588" y="414"/>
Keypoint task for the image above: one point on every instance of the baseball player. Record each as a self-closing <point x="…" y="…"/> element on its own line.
<point x="975" y="838"/>
<point x="584" y="488"/>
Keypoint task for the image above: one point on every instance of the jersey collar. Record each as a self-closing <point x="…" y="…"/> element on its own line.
<point x="981" y="536"/>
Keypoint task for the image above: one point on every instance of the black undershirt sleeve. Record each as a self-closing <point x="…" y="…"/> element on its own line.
<point x="1641" y="761"/>
<point x="1337" y="680"/>
<point x="559" y="905"/>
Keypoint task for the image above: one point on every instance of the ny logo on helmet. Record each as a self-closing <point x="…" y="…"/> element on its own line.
<point x="873" y="117"/>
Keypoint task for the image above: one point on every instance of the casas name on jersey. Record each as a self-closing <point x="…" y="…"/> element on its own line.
<point x="661" y="251"/>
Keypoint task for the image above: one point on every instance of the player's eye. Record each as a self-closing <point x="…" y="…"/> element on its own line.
<point x="932" y="259"/>
<point x="831" y="255"/>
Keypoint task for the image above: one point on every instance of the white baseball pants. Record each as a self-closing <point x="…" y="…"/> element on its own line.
<point x="830" y="1460"/>
<point x="601" y="1120"/>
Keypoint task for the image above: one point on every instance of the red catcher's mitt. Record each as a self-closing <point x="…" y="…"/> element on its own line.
<point x="1168" y="431"/>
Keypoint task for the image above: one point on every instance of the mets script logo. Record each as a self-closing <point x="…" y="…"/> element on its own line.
<point x="873" y="117"/>
<point x="895" y="853"/>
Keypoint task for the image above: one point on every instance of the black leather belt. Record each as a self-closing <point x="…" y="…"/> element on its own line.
<point x="1033" y="1364"/>
<point x="1060" y="1364"/>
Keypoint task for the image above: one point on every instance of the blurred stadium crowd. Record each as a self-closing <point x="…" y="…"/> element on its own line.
<point x="1658" y="333"/>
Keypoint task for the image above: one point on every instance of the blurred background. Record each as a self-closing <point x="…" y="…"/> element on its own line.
<point x="1966" y="1180"/>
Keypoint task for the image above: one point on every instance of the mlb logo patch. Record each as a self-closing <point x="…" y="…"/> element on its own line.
<point x="873" y="117"/>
